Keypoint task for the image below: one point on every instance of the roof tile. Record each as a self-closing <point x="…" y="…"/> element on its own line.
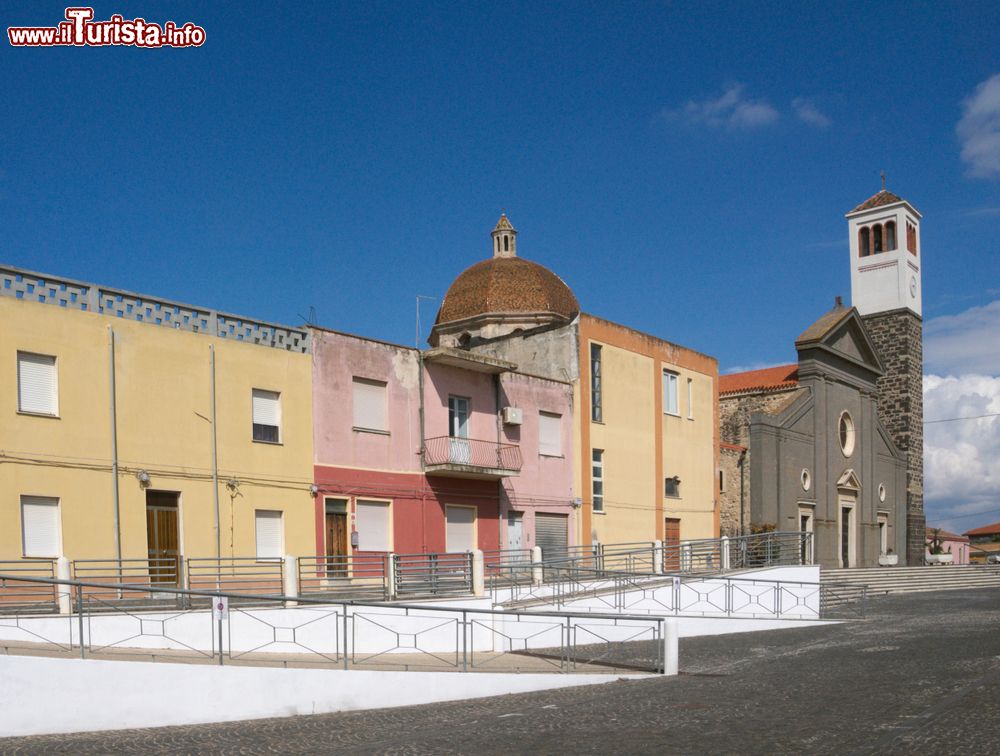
<point x="767" y="379"/>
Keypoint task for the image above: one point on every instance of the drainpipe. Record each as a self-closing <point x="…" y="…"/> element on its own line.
<point x="499" y="422"/>
<point x="743" y="528"/>
<point x="215" y="458"/>
<point x="114" y="446"/>
<point x="423" y="446"/>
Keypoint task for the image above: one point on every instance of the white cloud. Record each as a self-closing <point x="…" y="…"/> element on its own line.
<point x="806" y="112"/>
<point x="979" y="129"/>
<point x="961" y="457"/>
<point x="964" y="343"/>
<point x="733" y="110"/>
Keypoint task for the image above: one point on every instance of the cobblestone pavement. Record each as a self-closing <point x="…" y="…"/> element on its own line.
<point x="921" y="675"/>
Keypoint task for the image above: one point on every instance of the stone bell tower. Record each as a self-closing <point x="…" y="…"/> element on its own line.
<point x="886" y="289"/>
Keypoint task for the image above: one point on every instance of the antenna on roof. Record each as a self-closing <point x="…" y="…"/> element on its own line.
<point x="838" y="301"/>
<point x="311" y="320"/>
<point x="416" y="340"/>
<point x="882" y="173"/>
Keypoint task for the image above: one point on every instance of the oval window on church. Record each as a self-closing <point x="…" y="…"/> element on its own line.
<point x="846" y="433"/>
<point x="881" y="491"/>
<point x="806" y="479"/>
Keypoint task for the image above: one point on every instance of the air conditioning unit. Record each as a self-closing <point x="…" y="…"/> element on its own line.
<point x="512" y="416"/>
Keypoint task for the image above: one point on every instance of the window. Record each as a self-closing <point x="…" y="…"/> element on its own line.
<point x="549" y="434"/>
<point x="460" y="528"/>
<point x="37" y="385"/>
<point x="458" y="417"/>
<point x="722" y="481"/>
<point x="596" y="413"/>
<point x="890" y="236"/>
<point x="883" y="532"/>
<point x="269" y="535"/>
<point x="372" y="524"/>
<point x="597" y="481"/>
<point x="846" y="434"/>
<point x="690" y="399"/>
<point x="40" y="536"/>
<point x="670" y="393"/>
<point x="672" y="487"/>
<point x="864" y="242"/>
<point x="877" y="238"/>
<point x="266" y="416"/>
<point x="369" y="405"/>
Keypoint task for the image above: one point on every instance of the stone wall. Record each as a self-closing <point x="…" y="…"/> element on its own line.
<point x="734" y="429"/>
<point x="898" y="337"/>
<point x="735" y="413"/>
<point x="734" y="493"/>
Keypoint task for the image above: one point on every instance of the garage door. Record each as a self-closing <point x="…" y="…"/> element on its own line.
<point x="551" y="534"/>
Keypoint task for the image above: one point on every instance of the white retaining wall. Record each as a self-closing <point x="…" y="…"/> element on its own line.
<point x="40" y="695"/>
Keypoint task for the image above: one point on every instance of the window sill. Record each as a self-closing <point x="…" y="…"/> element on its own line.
<point x="40" y="558"/>
<point x="597" y="422"/>
<point x="672" y="414"/>
<point x="552" y="456"/>
<point x="376" y="431"/>
<point x="599" y="511"/>
<point x="267" y="443"/>
<point x="38" y="414"/>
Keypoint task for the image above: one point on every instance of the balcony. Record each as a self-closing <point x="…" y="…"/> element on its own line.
<point x="469" y="458"/>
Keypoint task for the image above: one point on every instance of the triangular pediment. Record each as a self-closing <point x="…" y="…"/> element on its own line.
<point x="849" y="480"/>
<point x="842" y="332"/>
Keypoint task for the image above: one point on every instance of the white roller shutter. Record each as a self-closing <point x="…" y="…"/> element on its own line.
<point x="269" y="534"/>
<point x="372" y="524"/>
<point x="460" y="534"/>
<point x="37" y="389"/>
<point x="40" y="526"/>
<point x="369" y="404"/>
<point x="549" y="434"/>
<point x="266" y="408"/>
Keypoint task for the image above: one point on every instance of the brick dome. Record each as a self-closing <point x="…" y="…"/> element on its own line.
<point x="507" y="285"/>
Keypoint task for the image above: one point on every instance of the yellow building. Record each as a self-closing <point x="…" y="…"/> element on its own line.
<point x="645" y="410"/>
<point x="141" y="428"/>
<point x="648" y="421"/>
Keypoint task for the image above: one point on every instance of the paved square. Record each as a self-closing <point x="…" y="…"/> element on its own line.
<point x="921" y="675"/>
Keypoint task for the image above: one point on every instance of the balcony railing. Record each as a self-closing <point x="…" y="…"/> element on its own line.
<point x="467" y="454"/>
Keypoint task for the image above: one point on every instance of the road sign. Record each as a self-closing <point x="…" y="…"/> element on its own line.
<point x="220" y="607"/>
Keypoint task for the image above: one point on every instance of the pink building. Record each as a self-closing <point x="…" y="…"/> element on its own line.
<point x="439" y="451"/>
<point x="952" y="543"/>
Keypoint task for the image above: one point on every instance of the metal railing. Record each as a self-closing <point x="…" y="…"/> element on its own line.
<point x="34" y="597"/>
<point x="362" y="576"/>
<point x="244" y="575"/>
<point x="350" y="635"/>
<point x="506" y="561"/>
<point x="845" y="601"/>
<point x="779" y="548"/>
<point x="469" y="452"/>
<point x="584" y="589"/>
<point x="432" y="574"/>
<point x="703" y="555"/>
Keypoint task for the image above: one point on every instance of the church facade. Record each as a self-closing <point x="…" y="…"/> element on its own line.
<point x="832" y="444"/>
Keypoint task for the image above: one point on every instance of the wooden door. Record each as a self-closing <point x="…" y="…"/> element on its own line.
<point x="336" y="543"/>
<point x="162" y="537"/>
<point x="671" y="544"/>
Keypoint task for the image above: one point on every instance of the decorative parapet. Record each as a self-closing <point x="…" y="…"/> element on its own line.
<point x="87" y="297"/>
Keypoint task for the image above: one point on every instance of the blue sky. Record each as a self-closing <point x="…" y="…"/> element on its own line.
<point x="685" y="167"/>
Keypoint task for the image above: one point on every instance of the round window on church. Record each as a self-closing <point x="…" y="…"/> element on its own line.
<point x="846" y="434"/>
<point x="806" y="479"/>
<point x="881" y="491"/>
